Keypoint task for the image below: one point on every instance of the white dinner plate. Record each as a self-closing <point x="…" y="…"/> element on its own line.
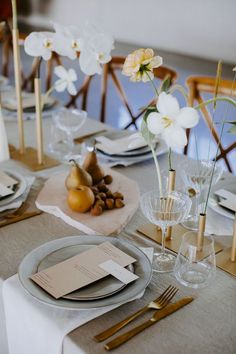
<point x="213" y="200"/>
<point x="29" y="266"/>
<point x="161" y="148"/>
<point x="19" y="190"/>
<point x="98" y="290"/>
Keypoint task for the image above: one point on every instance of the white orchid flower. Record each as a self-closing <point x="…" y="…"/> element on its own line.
<point x="95" y="51"/>
<point x="67" y="40"/>
<point x="171" y="121"/>
<point x="39" y="44"/>
<point x="66" y="80"/>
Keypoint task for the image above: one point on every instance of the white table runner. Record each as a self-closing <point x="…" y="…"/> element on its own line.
<point x="36" y="328"/>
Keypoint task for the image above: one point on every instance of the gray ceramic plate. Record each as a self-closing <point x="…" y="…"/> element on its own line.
<point x="98" y="290"/>
<point x="29" y="266"/>
<point x="19" y="189"/>
<point x="213" y="200"/>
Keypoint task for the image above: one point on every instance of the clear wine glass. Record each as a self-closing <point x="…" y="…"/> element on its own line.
<point x="69" y="122"/>
<point x="196" y="175"/>
<point x="165" y="210"/>
<point x="195" y="267"/>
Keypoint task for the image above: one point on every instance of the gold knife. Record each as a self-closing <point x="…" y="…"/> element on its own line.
<point x="158" y="315"/>
<point x="19" y="218"/>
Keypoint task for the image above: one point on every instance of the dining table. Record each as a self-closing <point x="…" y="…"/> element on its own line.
<point x="206" y="326"/>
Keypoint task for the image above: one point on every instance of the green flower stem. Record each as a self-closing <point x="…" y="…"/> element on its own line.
<point x="151" y="81"/>
<point x="169" y="159"/>
<point x="181" y="89"/>
<point x="157" y="169"/>
<point x="205" y="103"/>
<point x="49" y="91"/>
<point x="231" y="101"/>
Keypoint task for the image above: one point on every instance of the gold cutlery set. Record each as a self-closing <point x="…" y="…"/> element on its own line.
<point x="163" y="309"/>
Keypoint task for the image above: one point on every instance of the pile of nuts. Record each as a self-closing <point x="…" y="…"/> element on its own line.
<point x="104" y="198"/>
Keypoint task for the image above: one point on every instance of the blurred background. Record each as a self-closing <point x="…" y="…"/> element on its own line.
<point x="191" y="36"/>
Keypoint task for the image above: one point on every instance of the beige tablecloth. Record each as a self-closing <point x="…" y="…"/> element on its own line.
<point x="207" y="326"/>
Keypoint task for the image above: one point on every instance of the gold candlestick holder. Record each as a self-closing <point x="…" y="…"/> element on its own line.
<point x="171" y="187"/>
<point x="28" y="156"/>
<point x="226" y="260"/>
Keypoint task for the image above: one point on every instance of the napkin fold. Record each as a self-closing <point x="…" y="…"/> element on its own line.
<point x="17" y="202"/>
<point x="117" y="146"/>
<point x="29" y="322"/>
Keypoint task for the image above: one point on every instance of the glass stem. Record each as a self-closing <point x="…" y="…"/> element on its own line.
<point x="70" y="139"/>
<point x="163" y="240"/>
<point x="196" y="211"/>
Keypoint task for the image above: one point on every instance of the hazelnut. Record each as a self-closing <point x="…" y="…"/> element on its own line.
<point x="96" y="210"/>
<point x="118" y="195"/>
<point x="102" y="188"/>
<point x="109" y="194"/>
<point x="102" y="195"/>
<point x="109" y="203"/>
<point x="119" y="203"/>
<point x="95" y="190"/>
<point x="108" y="179"/>
<point x="101" y="203"/>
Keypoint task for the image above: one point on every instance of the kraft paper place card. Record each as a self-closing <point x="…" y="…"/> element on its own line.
<point x="80" y="270"/>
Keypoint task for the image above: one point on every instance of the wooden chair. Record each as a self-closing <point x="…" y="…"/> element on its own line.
<point x="197" y="86"/>
<point x="110" y="70"/>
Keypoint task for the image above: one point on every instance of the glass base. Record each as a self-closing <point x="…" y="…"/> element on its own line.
<point x="195" y="275"/>
<point x="163" y="263"/>
<point x="190" y="224"/>
<point x="64" y="153"/>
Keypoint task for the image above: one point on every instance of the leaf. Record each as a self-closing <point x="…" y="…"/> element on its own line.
<point x="233" y="129"/>
<point x="165" y="84"/>
<point x="231" y="122"/>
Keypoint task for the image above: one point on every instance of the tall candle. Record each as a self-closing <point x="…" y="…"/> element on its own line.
<point x="17" y="72"/>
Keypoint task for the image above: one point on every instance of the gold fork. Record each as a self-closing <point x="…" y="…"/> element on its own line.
<point x="157" y="304"/>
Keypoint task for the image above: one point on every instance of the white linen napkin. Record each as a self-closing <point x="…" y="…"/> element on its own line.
<point x="29" y="322"/>
<point x="17" y="202"/>
<point x="117" y="146"/>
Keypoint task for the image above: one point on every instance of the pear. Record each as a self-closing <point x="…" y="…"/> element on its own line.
<point x="92" y="167"/>
<point x="78" y="177"/>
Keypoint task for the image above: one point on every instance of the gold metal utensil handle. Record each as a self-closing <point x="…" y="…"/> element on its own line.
<point x="112" y="330"/>
<point x="158" y="315"/>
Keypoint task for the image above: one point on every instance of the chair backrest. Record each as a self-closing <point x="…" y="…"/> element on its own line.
<point x="199" y="85"/>
<point x="110" y="70"/>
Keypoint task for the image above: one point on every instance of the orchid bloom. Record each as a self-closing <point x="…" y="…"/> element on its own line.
<point x="139" y="65"/>
<point x="39" y="44"/>
<point x="171" y="121"/>
<point x="95" y="51"/>
<point x="66" y="80"/>
<point x="67" y="40"/>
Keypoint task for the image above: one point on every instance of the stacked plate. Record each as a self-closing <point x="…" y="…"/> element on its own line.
<point x="108" y="291"/>
<point x="214" y="199"/>
<point x="18" y="188"/>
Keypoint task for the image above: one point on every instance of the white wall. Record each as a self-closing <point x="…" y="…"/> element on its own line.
<point x="204" y="28"/>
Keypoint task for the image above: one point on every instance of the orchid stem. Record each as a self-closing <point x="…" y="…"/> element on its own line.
<point x="152" y="83"/>
<point x="169" y="159"/>
<point x="157" y="169"/>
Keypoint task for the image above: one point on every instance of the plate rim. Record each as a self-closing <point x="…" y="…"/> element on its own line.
<point x="20" y="191"/>
<point x="86" y="305"/>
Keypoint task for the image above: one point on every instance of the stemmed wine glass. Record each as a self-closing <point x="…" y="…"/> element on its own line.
<point x="69" y="122"/>
<point x="165" y="210"/>
<point x="196" y="175"/>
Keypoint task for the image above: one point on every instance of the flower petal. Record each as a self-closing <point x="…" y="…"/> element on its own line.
<point x="61" y="72"/>
<point x="72" y="75"/>
<point x="89" y="64"/>
<point x="154" y="123"/>
<point x="71" y="88"/>
<point x="175" y="136"/>
<point x="60" y="85"/>
<point x="167" y="104"/>
<point x="188" y="117"/>
<point x="156" y="62"/>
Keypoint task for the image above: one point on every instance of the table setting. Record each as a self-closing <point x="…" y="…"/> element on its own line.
<point x="109" y="239"/>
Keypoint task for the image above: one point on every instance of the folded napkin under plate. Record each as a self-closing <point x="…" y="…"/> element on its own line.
<point x="29" y="322"/>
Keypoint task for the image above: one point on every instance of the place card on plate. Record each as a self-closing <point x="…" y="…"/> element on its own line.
<point x="228" y="199"/>
<point x="80" y="270"/>
<point x="6" y="184"/>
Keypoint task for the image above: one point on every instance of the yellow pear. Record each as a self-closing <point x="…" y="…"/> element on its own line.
<point x="78" y="177"/>
<point x="92" y="167"/>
